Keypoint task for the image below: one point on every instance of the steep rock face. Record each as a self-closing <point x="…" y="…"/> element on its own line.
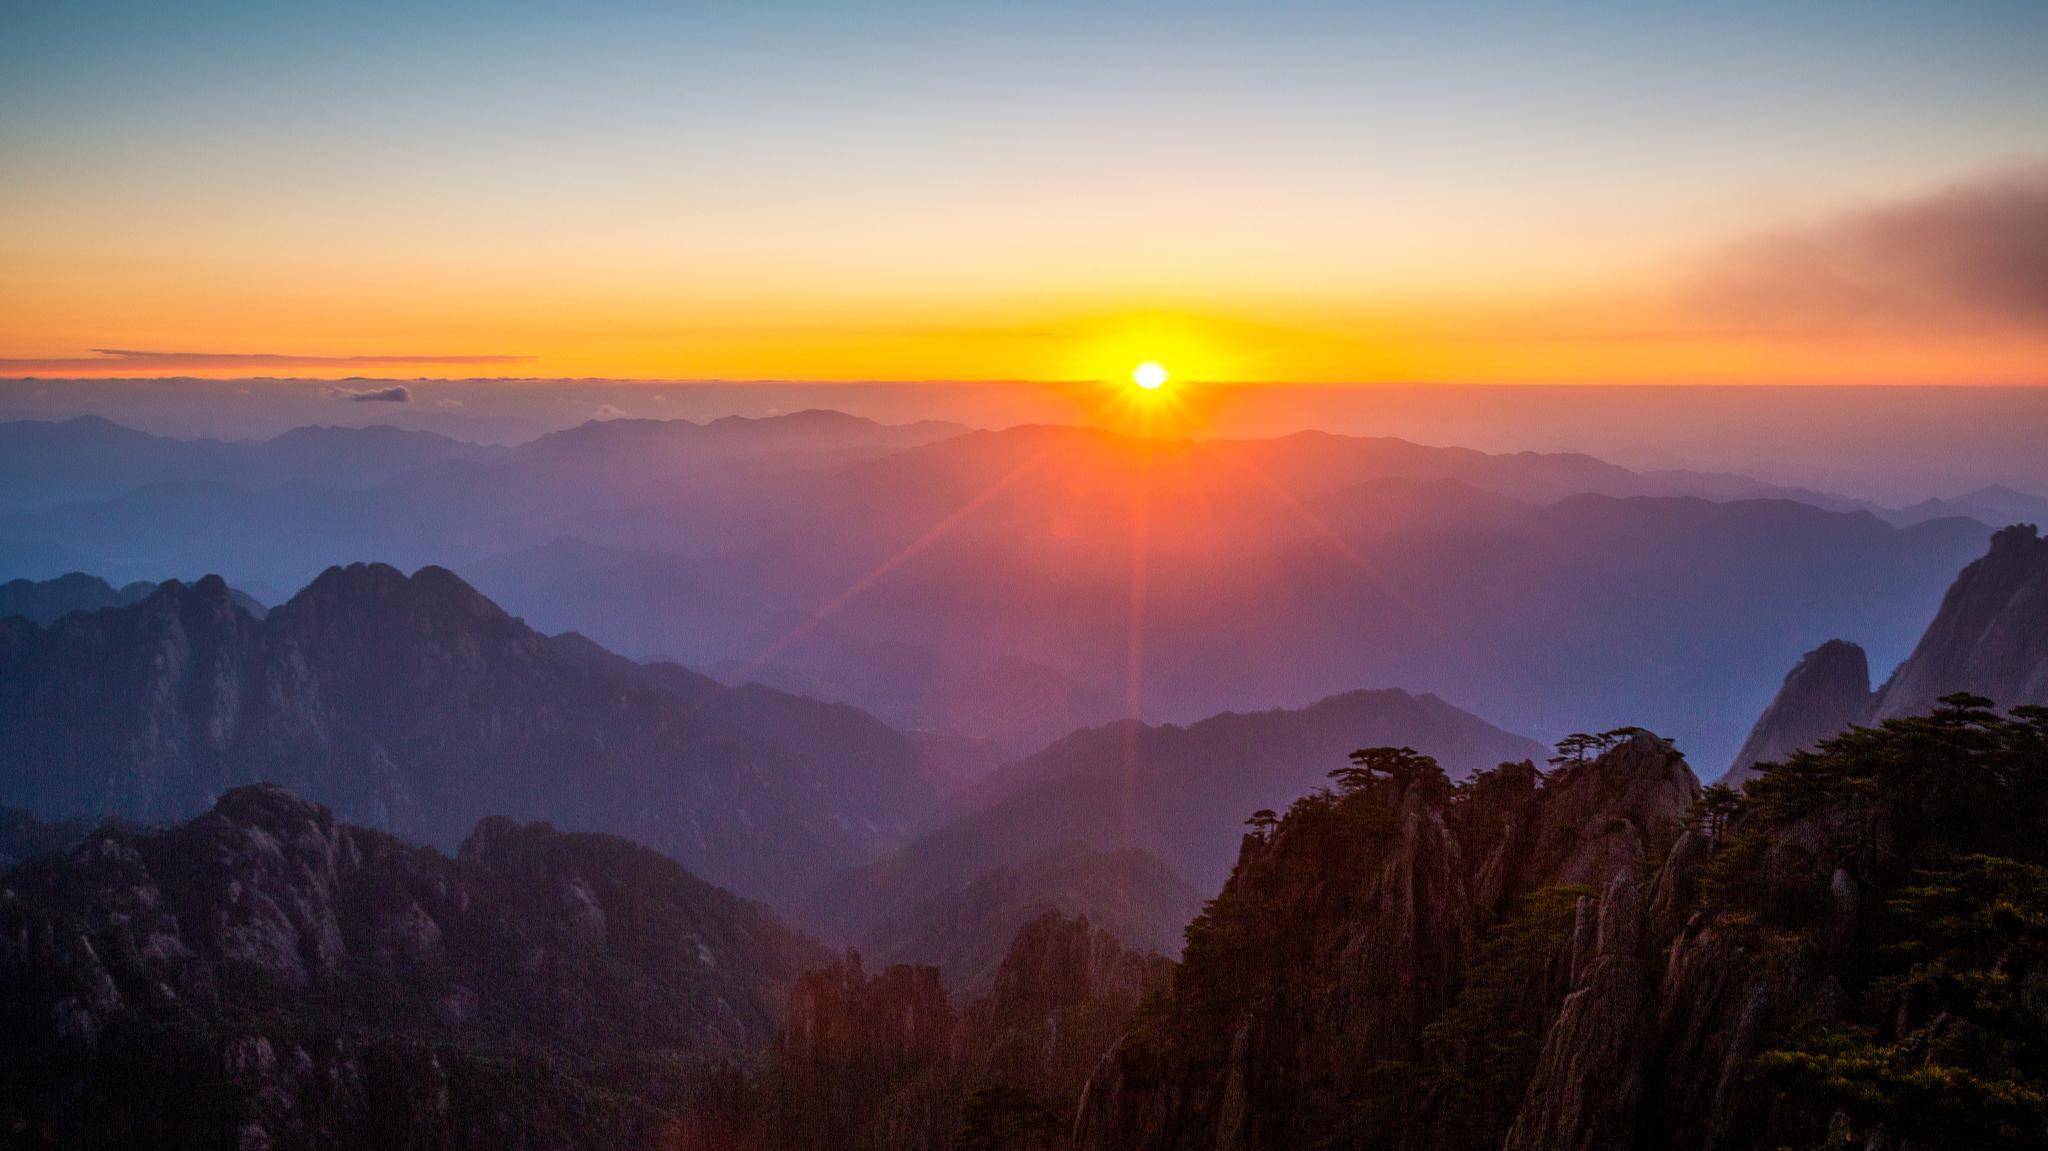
<point x="885" y="1061"/>
<point x="1848" y="954"/>
<point x="416" y="705"/>
<point x="304" y="978"/>
<point x="1349" y="930"/>
<point x="1990" y="637"/>
<point x="1828" y="692"/>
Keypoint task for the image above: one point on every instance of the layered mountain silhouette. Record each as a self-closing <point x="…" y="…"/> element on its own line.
<point x="1129" y="895"/>
<point x="265" y="975"/>
<point x="46" y="601"/>
<point x="981" y="583"/>
<point x="1989" y="638"/>
<point x="1179" y="794"/>
<point x="415" y="705"/>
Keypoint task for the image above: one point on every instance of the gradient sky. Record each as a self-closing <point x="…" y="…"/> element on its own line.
<point x="1839" y="192"/>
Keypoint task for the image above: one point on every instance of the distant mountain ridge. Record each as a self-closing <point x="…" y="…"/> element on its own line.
<point x="43" y="602"/>
<point x="416" y="705"/>
<point x="1177" y="793"/>
<point x="979" y="583"/>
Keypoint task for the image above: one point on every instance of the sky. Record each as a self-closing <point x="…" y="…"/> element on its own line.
<point x="1290" y="192"/>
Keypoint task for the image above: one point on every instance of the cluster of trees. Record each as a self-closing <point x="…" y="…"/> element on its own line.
<point x="1933" y="834"/>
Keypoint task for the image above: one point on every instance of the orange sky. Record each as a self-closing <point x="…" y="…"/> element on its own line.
<point x="1593" y="193"/>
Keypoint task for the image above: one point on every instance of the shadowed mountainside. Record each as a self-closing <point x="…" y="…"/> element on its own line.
<point x="267" y="976"/>
<point x="1178" y="793"/>
<point x="1842" y="957"/>
<point x="416" y="705"/>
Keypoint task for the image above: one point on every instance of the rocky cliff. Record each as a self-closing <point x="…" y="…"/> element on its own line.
<point x="884" y="1061"/>
<point x="416" y="705"/>
<point x="1827" y="693"/>
<point x="1846" y="956"/>
<point x="1302" y="1009"/>
<point x="265" y="975"/>
<point x="1989" y="638"/>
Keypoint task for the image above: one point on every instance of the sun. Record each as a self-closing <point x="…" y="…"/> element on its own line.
<point x="1150" y="375"/>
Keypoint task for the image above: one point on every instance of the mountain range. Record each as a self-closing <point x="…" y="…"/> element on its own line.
<point x="415" y="705"/>
<point x="981" y="584"/>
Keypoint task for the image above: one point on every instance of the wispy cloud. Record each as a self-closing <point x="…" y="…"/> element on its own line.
<point x="396" y="394"/>
<point x="1972" y="255"/>
<point x="132" y="360"/>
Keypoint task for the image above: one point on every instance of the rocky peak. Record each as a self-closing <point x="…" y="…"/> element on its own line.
<point x="1990" y="636"/>
<point x="1826" y="693"/>
<point x="838" y="1014"/>
<point x="1347" y="932"/>
<point x="1056" y="962"/>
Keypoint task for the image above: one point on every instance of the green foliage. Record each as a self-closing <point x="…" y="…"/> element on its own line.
<point x="1942" y="818"/>
<point x="1965" y="1063"/>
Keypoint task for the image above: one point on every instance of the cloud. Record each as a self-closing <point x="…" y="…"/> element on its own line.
<point x="396" y="394"/>
<point x="610" y="412"/>
<point x="1972" y="255"/>
<point x="133" y="360"/>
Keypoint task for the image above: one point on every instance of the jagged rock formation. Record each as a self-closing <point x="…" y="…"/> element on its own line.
<point x="418" y="706"/>
<point x="885" y="1061"/>
<point x="1828" y="692"/>
<point x="1990" y="638"/>
<point x="267" y="976"/>
<point x="1848" y="955"/>
<point x="1302" y="1006"/>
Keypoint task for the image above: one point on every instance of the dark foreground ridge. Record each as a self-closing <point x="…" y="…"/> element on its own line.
<point x="1847" y="956"/>
<point x="265" y="976"/>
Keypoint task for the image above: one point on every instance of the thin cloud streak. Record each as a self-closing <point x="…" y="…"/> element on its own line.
<point x="131" y="360"/>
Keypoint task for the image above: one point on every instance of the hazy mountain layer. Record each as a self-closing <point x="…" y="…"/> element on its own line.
<point x="1179" y="793"/>
<point x="416" y="705"/>
<point x="989" y="584"/>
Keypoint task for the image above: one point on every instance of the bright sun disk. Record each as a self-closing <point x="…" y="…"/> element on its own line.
<point x="1150" y="375"/>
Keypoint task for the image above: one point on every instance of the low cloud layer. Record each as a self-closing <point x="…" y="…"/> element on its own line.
<point x="396" y="394"/>
<point x="1973" y="255"/>
<point x="131" y="360"/>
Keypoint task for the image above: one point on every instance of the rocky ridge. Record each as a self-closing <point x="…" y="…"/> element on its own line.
<point x="416" y="705"/>
<point x="267" y="975"/>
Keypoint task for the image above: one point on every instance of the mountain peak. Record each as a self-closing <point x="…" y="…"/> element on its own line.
<point x="1990" y="636"/>
<point x="1826" y="693"/>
